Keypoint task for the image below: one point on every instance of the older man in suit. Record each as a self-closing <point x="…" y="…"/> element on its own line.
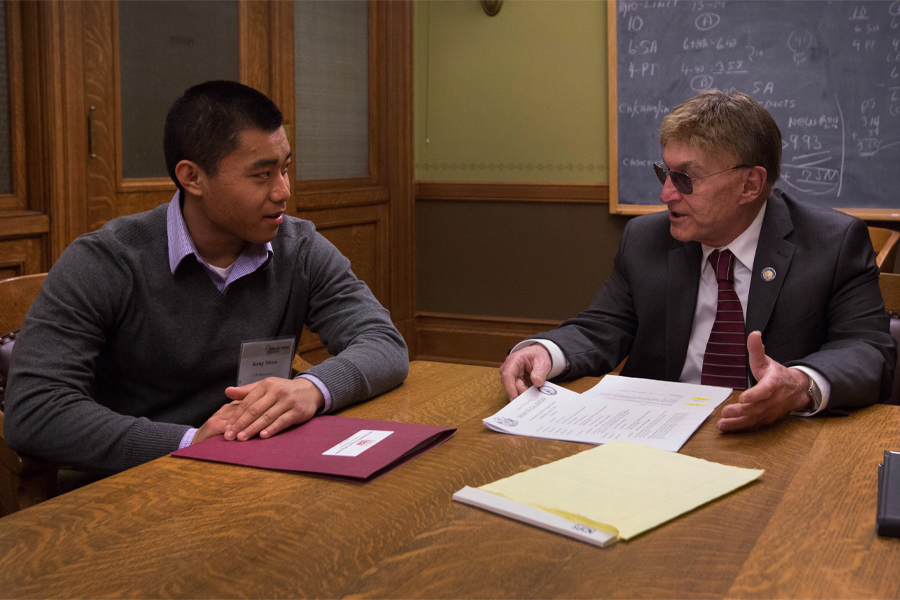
<point x="736" y="285"/>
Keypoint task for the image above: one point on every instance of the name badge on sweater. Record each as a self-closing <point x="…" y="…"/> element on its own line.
<point x="266" y="358"/>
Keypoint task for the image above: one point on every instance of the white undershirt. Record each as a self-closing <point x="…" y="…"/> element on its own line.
<point x="744" y="249"/>
<point x="222" y="272"/>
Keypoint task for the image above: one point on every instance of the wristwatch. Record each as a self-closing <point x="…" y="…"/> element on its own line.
<point x="815" y="396"/>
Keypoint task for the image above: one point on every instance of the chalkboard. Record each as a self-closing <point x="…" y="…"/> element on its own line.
<point x="828" y="72"/>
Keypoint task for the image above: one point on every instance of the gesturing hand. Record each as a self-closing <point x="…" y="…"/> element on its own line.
<point x="778" y="391"/>
<point x="268" y="406"/>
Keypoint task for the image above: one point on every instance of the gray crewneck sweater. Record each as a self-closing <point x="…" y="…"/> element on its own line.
<point x="118" y="356"/>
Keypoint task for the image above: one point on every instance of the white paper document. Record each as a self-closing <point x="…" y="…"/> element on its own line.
<point x="358" y="443"/>
<point x="660" y="414"/>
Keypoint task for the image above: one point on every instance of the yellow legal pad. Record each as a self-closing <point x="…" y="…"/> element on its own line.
<point x="622" y="488"/>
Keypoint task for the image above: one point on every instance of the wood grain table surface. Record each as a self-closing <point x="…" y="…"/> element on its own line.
<point x="190" y="529"/>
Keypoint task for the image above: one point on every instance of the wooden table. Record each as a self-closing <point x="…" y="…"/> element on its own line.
<point x="182" y="528"/>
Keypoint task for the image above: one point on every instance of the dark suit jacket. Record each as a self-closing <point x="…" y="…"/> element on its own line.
<point x="823" y="309"/>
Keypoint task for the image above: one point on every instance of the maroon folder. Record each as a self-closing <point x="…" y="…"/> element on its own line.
<point x="343" y="447"/>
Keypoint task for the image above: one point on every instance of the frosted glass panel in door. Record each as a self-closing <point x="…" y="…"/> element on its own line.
<point x="166" y="47"/>
<point x="331" y="79"/>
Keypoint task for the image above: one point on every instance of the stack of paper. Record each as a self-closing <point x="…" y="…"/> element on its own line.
<point x="616" y="491"/>
<point x="661" y="414"/>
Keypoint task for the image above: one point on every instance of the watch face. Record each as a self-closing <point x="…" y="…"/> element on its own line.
<point x="815" y="395"/>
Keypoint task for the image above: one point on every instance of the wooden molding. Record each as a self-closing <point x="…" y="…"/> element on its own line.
<point x="49" y="177"/>
<point x="282" y="67"/>
<point x="306" y="198"/>
<point x="473" y="340"/>
<point x="146" y="184"/>
<point x="281" y="53"/>
<point x="378" y="106"/>
<point x="18" y="198"/>
<point x="22" y="256"/>
<point x="398" y="136"/>
<point x="15" y="265"/>
<point x="69" y="208"/>
<point x="254" y="45"/>
<point x="97" y="36"/>
<point x="24" y="224"/>
<point x="873" y="214"/>
<point x="116" y="123"/>
<point x="590" y="193"/>
<point x="613" y="103"/>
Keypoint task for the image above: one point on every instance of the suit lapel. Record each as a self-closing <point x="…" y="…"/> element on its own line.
<point x="775" y="252"/>
<point x="681" y="302"/>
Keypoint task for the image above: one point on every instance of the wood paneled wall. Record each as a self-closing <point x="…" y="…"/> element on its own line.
<point x="498" y="262"/>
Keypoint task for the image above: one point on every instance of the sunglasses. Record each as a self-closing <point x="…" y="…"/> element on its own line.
<point x="683" y="182"/>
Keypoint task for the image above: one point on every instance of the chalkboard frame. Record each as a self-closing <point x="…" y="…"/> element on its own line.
<point x="874" y="214"/>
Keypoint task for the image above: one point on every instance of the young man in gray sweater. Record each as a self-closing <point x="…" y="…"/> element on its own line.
<point x="129" y="351"/>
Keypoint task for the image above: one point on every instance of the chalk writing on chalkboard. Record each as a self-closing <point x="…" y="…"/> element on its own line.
<point x="828" y="72"/>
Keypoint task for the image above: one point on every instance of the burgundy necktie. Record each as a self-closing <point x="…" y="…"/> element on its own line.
<point x="725" y="361"/>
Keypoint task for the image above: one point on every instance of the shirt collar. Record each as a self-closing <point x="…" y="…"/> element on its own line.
<point x="182" y="245"/>
<point x="743" y="246"/>
<point x="180" y="242"/>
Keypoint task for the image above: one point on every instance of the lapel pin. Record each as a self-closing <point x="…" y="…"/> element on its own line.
<point x="768" y="274"/>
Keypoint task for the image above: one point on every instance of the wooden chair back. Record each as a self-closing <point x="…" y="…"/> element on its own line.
<point x="24" y="481"/>
<point x="890" y="291"/>
<point x="885" y="242"/>
<point x="16" y="296"/>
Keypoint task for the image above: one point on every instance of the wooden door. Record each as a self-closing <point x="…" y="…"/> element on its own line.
<point x="343" y="79"/>
<point x="24" y="221"/>
<point x="138" y="58"/>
